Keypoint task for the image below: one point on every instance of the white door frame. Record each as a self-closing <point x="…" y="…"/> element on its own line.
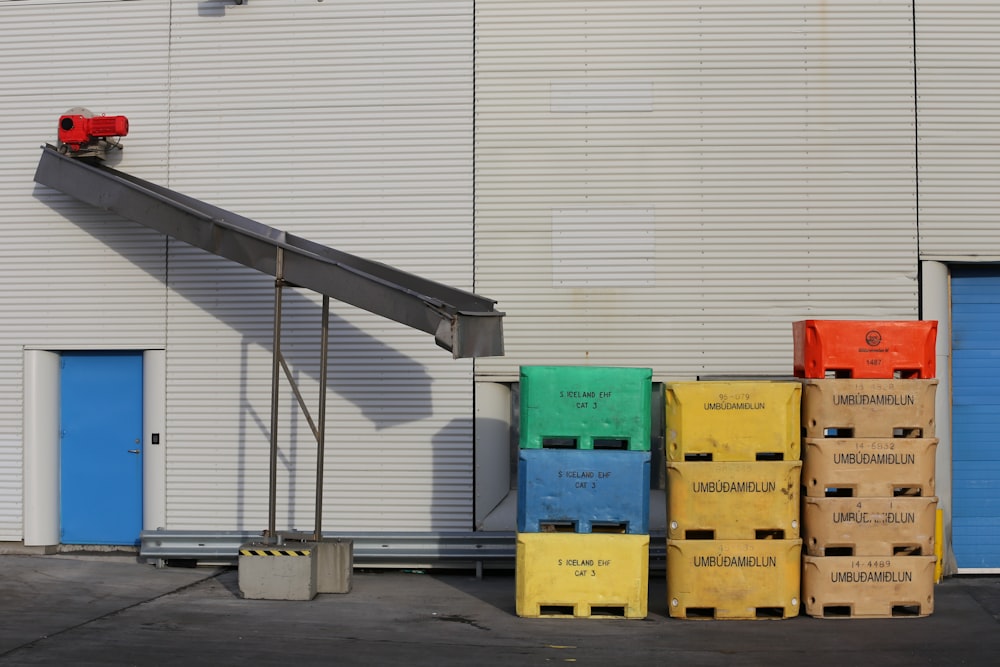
<point x="40" y="474"/>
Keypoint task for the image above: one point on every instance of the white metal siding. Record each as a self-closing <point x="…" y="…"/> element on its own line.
<point x="958" y="76"/>
<point x="656" y="183"/>
<point x="73" y="277"/>
<point x="348" y="123"/>
<point x="732" y="167"/>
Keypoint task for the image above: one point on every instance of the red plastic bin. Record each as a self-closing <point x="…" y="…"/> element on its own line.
<point x="865" y="349"/>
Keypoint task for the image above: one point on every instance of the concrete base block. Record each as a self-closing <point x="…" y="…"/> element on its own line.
<point x="19" y="549"/>
<point x="334" y="565"/>
<point x="278" y="572"/>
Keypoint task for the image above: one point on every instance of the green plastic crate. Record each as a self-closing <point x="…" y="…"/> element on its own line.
<point x="585" y="407"/>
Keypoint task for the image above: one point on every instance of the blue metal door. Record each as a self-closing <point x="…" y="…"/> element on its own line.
<point x="101" y="448"/>
<point x="975" y="298"/>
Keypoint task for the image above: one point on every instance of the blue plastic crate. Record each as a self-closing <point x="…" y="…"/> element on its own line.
<point x="583" y="491"/>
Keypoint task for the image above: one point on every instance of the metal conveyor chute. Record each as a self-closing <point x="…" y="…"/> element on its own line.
<point x="464" y="323"/>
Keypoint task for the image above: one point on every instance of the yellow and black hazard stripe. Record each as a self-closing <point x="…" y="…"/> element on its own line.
<point x="275" y="552"/>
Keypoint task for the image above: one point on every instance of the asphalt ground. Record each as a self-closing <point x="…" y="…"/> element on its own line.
<point x="113" y="610"/>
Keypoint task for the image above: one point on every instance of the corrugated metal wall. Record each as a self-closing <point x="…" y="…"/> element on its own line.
<point x="958" y="76"/>
<point x="672" y="183"/>
<point x="71" y="278"/>
<point x="653" y="183"/>
<point x="348" y="123"/>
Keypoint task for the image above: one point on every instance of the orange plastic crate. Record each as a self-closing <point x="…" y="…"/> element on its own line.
<point x="865" y="349"/>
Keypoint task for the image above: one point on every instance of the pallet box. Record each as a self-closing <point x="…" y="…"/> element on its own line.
<point x="733" y="421"/>
<point x="577" y="575"/>
<point x="733" y="579"/>
<point x="868" y="586"/>
<point x="733" y="500"/>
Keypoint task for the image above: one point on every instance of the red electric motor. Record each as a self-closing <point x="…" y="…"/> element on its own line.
<point x="82" y="132"/>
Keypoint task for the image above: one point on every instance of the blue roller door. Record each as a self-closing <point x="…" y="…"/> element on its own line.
<point x="975" y="297"/>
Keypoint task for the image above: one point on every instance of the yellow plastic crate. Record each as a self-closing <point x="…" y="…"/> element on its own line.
<point x="582" y="575"/>
<point x="846" y="408"/>
<point x="733" y="500"/>
<point x="868" y="526"/>
<point x="733" y="421"/>
<point x="733" y="579"/>
<point x="868" y="586"/>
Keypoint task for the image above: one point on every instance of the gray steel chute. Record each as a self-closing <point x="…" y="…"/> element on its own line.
<point x="462" y="322"/>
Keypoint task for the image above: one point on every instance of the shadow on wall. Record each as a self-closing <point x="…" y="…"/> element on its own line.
<point x="453" y="491"/>
<point x="217" y="7"/>
<point x="364" y="386"/>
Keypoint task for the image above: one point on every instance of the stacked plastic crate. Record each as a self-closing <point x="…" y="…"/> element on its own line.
<point x="868" y="466"/>
<point x="733" y="475"/>
<point x="583" y="492"/>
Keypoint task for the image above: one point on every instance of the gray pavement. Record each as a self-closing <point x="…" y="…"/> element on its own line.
<point x="62" y="610"/>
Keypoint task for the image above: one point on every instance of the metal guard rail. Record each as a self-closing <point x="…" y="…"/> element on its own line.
<point x="396" y="550"/>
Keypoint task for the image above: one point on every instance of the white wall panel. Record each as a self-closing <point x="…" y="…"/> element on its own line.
<point x="74" y="277"/>
<point x="654" y="183"/>
<point x="772" y="141"/>
<point x="356" y="132"/>
<point x="348" y="123"/>
<point x="958" y="75"/>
